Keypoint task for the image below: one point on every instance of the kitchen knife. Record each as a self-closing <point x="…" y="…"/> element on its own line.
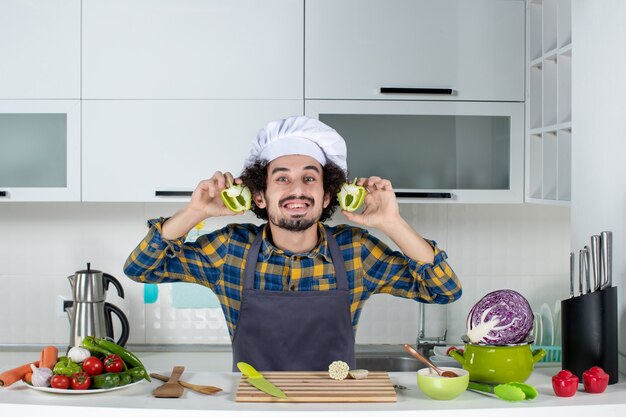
<point x="595" y="261"/>
<point x="256" y="380"/>
<point x="606" y="242"/>
<point x="581" y="271"/>
<point x="571" y="274"/>
<point x="586" y="265"/>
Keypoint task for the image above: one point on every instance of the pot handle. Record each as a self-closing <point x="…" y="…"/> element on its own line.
<point x="538" y="355"/>
<point x="458" y="356"/>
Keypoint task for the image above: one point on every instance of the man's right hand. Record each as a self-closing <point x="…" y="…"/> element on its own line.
<point x="205" y="202"/>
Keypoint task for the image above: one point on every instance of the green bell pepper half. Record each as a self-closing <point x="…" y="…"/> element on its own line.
<point x="66" y="367"/>
<point x="351" y="196"/>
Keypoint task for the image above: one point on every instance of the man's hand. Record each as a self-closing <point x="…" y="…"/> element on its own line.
<point x="205" y="202"/>
<point x="206" y="197"/>
<point x="381" y="206"/>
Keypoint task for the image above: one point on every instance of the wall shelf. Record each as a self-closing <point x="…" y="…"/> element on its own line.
<point x="548" y="102"/>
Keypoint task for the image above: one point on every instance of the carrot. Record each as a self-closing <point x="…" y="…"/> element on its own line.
<point x="28" y="377"/>
<point x="12" y="375"/>
<point x="49" y="357"/>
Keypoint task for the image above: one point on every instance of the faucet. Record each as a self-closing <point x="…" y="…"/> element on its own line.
<point x="425" y="344"/>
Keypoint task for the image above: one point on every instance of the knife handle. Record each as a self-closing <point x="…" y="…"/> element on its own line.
<point x="571" y="274"/>
<point x="586" y="265"/>
<point x="581" y="270"/>
<point x="606" y="243"/>
<point x="595" y="261"/>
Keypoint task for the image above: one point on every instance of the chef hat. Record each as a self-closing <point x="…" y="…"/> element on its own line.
<point x="298" y="135"/>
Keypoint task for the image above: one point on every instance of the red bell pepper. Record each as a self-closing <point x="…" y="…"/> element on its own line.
<point x="565" y="383"/>
<point x="595" y="380"/>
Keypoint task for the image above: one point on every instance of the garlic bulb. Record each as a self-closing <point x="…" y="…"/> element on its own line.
<point x="78" y="354"/>
<point x="41" y="376"/>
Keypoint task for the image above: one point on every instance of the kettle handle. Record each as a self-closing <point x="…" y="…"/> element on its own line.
<point x="108" y="309"/>
<point x="108" y="278"/>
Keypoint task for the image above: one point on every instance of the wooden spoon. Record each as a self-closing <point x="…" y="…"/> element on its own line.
<point x="171" y="389"/>
<point x="416" y="354"/>
<point x="203" y="389"/>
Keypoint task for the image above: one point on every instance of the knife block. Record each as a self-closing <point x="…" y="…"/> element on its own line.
<point x="589" y="333"/>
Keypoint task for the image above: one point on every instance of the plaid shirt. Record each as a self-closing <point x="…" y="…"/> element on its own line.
<point x="217" y="260"/>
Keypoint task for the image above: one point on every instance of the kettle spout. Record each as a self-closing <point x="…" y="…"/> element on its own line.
<point x="72" y="280"/>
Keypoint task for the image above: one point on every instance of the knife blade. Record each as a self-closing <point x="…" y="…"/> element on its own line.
<point x="606" y="242"/>
<point x="258" y="381"/>
<point x="595" y="261"/>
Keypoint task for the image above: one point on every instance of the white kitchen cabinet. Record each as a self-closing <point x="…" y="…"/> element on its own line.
<point x="193" y="49"/>
<point x="40" y="49"/>
<point x="136" y="149"/>
<point x="433" y="151"/>
<point x="473" y="48"/>
<point x="549" y="102"/>
<point x="39" y="150"/>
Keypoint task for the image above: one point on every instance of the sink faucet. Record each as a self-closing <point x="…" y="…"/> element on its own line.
<point x="425" y="344"/>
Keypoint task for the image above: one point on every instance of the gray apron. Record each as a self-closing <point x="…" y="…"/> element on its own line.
<point x="294" y="331"/>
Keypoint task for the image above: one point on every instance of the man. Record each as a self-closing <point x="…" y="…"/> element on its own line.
<point x="292" y="289"/>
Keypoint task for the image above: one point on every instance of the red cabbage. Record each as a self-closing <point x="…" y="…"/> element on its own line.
<point x="502" y="317"/>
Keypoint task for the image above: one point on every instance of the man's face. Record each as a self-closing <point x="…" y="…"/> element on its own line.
<point x="294" y="197"/>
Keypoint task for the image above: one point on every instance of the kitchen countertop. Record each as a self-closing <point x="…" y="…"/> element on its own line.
<point x="137" y="400"/>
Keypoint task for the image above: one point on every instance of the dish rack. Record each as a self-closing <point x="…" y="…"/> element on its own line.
<point x="553" y="353"/>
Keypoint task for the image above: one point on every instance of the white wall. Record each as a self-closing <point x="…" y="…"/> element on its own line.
<point x="523" y="247"/>
<point x="599" y="134"/>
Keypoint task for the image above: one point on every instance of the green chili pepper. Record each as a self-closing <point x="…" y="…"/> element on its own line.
<point x="237" y="198"/>
<point x="128" y="357"/>
<point x="65" y="366"/>
<point x="90" y="343"/>
<point x="105" y="381"/>
<point x="351" y="196"/>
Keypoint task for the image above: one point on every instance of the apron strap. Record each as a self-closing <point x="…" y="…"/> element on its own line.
<point x="341" y="276"/>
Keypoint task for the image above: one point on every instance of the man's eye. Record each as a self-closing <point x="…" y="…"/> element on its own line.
<point x="309" y="179"/>
<point x="281" y="179"/>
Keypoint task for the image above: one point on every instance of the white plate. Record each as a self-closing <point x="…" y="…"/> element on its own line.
<point x="557" y="323"/>
<point x="80" y="391"/>
<point x="537" y="333"/>
<point x="547" y="323"/>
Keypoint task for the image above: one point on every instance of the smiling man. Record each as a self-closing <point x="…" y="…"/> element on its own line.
<point x="292" y="289"/>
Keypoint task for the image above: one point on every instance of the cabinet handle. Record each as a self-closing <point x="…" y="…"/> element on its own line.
<point x="3" y="193"/>
<point x="411" y="194"/>
<point x="432" y="91"/>
<point x="173" y="193"/>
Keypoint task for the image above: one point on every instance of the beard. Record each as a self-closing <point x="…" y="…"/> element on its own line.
<point x="295" y="223"/>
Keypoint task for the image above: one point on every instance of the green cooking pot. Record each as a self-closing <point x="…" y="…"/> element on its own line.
<point x="498" y="364"/>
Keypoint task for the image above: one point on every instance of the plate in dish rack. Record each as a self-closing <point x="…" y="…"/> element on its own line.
<point x="80" y="391"/>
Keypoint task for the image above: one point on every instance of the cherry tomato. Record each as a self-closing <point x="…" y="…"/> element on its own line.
<point x="595" y="380"/>
<point x="93" y="366"/>
<point x="565" y="383"/>
<point x="113" y="363"/>
<point x="81" y="381"/>
<point x="60" y="381"/>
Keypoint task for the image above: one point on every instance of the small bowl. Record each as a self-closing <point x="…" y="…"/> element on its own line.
<point x="440" y="387"/>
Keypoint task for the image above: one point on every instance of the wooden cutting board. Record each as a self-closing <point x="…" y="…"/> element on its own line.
<point x="313" y="387"/>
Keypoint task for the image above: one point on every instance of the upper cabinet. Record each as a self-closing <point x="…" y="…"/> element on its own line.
<point x="415" y="50"/>
<point x="192" y="49"/>
<point x="549" y="102"/>
<point x="40" y="49"/>
<point x="39" y="150"/>
<point x="158" y="150"/>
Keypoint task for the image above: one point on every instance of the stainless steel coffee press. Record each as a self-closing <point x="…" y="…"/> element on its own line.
<point x="88" y="313"/>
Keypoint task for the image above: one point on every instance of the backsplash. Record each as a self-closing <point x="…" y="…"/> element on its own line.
<point x="522" y="247"/>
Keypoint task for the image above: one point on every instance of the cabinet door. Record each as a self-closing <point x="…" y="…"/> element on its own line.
<point x="39" y="150"/>
<point x="163" y="49"/>
<point x="40" y="49"/>
<point x="356" y="47"/>
<point x="134" y="148"/>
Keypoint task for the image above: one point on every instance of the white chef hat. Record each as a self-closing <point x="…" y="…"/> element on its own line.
<point x="298" y="135"/>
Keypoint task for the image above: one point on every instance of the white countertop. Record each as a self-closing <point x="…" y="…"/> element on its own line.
<point x="137" y="401"/>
